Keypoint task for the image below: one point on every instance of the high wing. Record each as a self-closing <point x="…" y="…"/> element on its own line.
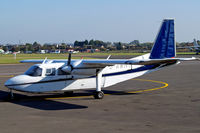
<point x="163" y="52"/>
<point x="101" y="63"/>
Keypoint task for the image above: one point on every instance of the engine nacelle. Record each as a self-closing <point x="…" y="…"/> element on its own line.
<point x="67" y="69"/>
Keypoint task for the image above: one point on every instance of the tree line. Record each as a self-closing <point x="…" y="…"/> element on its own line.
<point x="83" y="46"/>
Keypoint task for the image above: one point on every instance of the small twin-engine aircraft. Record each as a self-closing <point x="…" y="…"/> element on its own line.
<point x="196" y="47"/>
<point x="70" y="75"/>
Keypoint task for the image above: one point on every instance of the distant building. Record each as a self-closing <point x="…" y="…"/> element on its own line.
<point x="92" y="50"/>
<point x="44" y="51"/>
<point x="72" y="51"/>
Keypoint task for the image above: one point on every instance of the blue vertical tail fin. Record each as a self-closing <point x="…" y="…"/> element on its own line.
<point x="164" y="45"/>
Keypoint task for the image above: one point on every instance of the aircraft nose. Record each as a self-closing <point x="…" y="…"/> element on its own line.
<point x="13" y="81"/>
<point x="9" y="82"/>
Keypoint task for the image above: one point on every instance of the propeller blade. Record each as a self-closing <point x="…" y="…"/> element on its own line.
<point x="69" y="59"/>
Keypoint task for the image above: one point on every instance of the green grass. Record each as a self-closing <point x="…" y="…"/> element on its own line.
<point x="9" y="58"/>
<point x="186" y="53"/>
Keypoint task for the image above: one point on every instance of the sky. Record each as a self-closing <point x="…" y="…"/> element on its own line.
<point x="54" y="21"/>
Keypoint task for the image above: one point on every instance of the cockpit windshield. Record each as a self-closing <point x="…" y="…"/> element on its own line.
<point x="34" y="71"/>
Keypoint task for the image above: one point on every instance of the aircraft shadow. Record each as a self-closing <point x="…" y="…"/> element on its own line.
<point x="38" y="102"/>
<point x="49" y="105"/>
<point x="112" y="92"/>
<point x="42" y="102"/>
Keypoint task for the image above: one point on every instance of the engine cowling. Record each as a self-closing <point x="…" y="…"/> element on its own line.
<point x="67" y="69"/>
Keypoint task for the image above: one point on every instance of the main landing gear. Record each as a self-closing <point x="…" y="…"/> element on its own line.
<point x="98" y="94"/>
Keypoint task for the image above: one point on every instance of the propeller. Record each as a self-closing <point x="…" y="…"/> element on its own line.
<point x="70" y="66"/>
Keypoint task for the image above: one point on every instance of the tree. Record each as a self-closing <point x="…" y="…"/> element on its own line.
<point x="15" y="48"/>
<point x="36" y="47"/>
<point x="135" y="42"/>
<point x="81" y="43"/>
<point x="118" y="46"/>
<point x="5" y="48"/>
<point x="91" y="42"/>
<point x="29" y="47"/>
<point x="63" y="46"/>
<point x="86" y="42"/>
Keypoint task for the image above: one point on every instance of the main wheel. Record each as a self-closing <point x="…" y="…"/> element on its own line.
<point x="99" y="95"/>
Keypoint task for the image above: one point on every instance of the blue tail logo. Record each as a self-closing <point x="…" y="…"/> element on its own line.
<point x="164" y="46"/>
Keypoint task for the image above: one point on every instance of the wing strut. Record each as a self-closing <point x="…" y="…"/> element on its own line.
<point x="98" y="94"/>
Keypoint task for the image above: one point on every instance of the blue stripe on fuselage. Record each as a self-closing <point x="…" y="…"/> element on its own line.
<point x="143" y="68"/>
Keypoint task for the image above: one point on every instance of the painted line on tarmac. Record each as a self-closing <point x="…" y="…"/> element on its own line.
<point x="118" y="93"/>
<point x="6" y="76"/>
<point x="153" y="89"/>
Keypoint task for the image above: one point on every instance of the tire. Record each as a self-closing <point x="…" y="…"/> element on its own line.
<point x="99" y="95"/>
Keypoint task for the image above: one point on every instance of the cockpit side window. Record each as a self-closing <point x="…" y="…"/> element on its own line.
<point x="34" y="71"/>
<point x="50" y="72"/>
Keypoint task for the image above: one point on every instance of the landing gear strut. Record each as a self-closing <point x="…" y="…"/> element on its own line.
<point x="11" y="95"/>
<point x="98" y="94"/>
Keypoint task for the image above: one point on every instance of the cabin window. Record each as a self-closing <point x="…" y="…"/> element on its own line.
<point x="50" y="72"/>
<point x="34" y="71"/>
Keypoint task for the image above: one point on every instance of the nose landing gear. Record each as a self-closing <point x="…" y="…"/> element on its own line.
<point x="11" y="95"/>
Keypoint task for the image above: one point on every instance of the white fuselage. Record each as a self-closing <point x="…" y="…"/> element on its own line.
<point x="51" y="79"/>
<point x="73" y="82"/>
